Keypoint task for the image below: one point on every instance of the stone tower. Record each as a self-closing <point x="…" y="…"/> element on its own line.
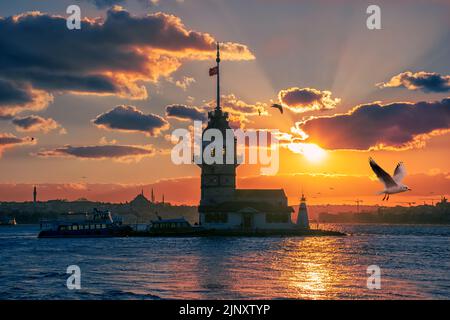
<point x="302" y="218"/>
<point x="218" y="180"/>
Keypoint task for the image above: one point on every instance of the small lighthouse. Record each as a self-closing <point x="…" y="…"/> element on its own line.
<point x="302" y="218"/>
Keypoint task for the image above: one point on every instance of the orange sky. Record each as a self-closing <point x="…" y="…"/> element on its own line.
<point x="338" y="83"/>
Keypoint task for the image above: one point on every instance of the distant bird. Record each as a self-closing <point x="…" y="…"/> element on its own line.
<point x="259" y="111"/>
<point x="277" y="106"/>
<point x="391" y="184"/>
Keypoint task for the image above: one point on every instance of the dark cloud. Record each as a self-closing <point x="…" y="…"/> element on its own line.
<point x="425" y="81"/>
<point x="374" y="126"/>
<point x="121" y="153"/>
<point x="11" y="94"/>
<point x="16" y="97"/>
<point x="36" y="123"/>
<point x="307" y="99"/>
<point x="131" y="119"/>
<point x="107" y="56"/>
<point x="183" y="112"/>
<point x="9" y="141"/>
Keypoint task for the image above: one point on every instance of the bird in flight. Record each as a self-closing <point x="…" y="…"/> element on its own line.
<point x="278" y="106"/>
<point x="391" y="184"/>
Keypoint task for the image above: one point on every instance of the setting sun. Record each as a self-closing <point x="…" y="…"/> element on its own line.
<point x="311" y="151"/>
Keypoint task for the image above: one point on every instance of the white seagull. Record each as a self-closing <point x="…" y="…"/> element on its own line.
<point x="391" y="184"/>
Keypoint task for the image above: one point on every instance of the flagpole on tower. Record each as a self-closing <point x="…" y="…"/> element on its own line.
<point x="218" y="77"/>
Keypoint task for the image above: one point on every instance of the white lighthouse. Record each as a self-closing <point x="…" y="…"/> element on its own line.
<point x="302" y="218"/>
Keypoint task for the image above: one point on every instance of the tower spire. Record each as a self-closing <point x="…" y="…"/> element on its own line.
<point x="218" y="77"/>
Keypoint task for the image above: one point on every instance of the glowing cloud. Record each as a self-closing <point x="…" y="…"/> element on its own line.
<point x="10" y="141"/>
<point x="307" y="99"/>
<point x="425" y="81"/>
<point x="36" y="123"/>
<point x="110" y="56"/>
<point x="394" y="126"/>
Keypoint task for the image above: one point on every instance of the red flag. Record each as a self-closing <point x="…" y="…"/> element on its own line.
<point x="213" y="71"/>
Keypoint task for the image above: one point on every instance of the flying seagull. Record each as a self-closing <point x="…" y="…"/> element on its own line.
<point x="391" y="184"/>
<point x="278" y="106"/>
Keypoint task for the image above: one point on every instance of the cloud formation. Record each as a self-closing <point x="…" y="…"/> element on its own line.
<point x="121" y="153"/>
<point x="16" y="97"/>
<point x="8" y="140"/>
<point x="111" y="56"/>
<point x="131" y="119"/>
<point x="36" y="123"/>
<point x="182" y="112"/>
<point x="425" y="81"/>
<point x="307" y="99"/>
<point x="182" y="83"/>
<point x="394" y="126"/>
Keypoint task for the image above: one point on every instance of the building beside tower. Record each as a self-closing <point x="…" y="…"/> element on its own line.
<point x="222" y="206"/>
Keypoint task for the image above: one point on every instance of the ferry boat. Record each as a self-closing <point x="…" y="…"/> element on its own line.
<point x="99" y="224"/>
<point x="8" y="221"/>
<point x="171" y="227"/>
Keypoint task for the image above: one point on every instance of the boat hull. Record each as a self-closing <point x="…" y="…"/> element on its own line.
<point x="239" y="233"/>
<point x="98" y="233"/>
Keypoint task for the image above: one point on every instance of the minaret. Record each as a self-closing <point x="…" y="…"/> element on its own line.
<point x="302" y="217"/>
<point x="153" y="197"/>
<point x="34" y="195"/>
<point x="218" y="180"/>
<point x="163" y="198"/>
